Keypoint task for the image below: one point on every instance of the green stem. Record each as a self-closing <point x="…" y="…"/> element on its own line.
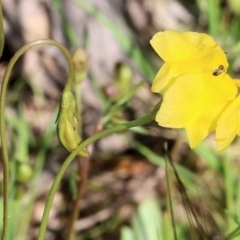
<point x="233" y="234"/>
<point x="69" y="159"/>
<point x="170" y="198"/>
<point x="228" y="181"/>
<point x="213" y="17"/>
<point x="2" y="39"/>
<point x="6" y="76"/>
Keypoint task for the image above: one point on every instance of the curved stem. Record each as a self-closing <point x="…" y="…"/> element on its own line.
<point x="118" y="128"/>
<point x="5" y="159"/>
<point x="2" y="39"/>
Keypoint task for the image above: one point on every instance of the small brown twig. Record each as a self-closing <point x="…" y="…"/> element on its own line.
<point x="83" y="167"/>
<point x="83" y="170"/>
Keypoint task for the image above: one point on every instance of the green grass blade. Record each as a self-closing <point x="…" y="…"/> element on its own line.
<point x="127" y="233"/>
<point x="209" y="156"/>
<point x="131" y="49"/>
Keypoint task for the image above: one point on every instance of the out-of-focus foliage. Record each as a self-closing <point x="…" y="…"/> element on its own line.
<point x="124" y="168"/>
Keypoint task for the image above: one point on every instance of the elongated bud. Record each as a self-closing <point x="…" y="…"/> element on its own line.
<point x="123" y="78"/>
<point x="80" y="60"/>
<point x="68" y="125"/>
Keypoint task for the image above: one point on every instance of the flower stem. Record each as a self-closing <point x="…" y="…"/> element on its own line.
<point x="69" y="159"/>
<point x="6" y="76"/>
<point x="170" y="196"/>
<point x="2" y="39"/>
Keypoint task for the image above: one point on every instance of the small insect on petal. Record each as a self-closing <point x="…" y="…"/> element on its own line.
<point x="218" y="70"/>
<point x="186" y="53"/>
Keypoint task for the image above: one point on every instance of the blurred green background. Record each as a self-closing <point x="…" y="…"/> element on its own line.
<point x="126" y="194"/>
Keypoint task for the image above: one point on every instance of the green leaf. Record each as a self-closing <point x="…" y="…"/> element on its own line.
<point x="146" y="224"/>
<point x="127" y="233"/>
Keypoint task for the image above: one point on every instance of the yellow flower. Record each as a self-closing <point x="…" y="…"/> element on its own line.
<point x="184" y="53"/>
<point x="228" y="125"/>
<point x="194" y="102"/>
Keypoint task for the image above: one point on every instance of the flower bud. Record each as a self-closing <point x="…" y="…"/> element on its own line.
<point x="234" y="5"/>
<point x="123" y="75"/>
<point x="68" y="125"/>
<point x="122" y="82"/>
<point x="24" y="172"/>
<point x="80" y="60"/>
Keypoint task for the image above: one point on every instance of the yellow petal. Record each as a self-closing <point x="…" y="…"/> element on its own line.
<point x="169" y="72"/>
<point x="179" y="46"/>
<point x="185" y="53"/>
<point x="164" y="78"/>
<point x="194" y="102"/>
<point x="228" y="125"/>
<point x="196" y="132"/>
<point x="237" y="82"/>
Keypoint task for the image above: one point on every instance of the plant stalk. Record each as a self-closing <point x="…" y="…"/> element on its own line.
<point x="117" y="128"/>
<point x="5" y="159"/>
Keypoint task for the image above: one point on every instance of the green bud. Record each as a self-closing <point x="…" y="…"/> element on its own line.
<point x="122" y="81"/>
<point x="80" y="60"/>
<point x="123" y="74"/>
<point x="234" y="6"/>
<point x="24" y="172"/>
<point x="68" y="125"/>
